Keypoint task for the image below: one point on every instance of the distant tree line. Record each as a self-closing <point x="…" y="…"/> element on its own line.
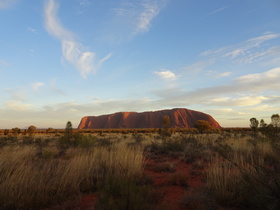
<point x="200" y="126"/>
<point x="271" y="130"/>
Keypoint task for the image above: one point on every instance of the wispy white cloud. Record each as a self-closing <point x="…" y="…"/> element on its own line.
<point x="166" y="74"/>
<point x="216" y="11"/>
<point x="36" y="85"/>
<point x="238" y="101"/>
<point x="84" y="6"/>
<point x="52" y="23"/>
<point x="216" y="74"/>
<point x="220" y="99"/>
<point x="260" y="55"/>
<point x="135" y="17"/>
<point x="251" y="50"/>
<point x="246" y="46"/>
<point x="236" y="52"/>
<point x="224" y="74"/>
<point x="211" y="52"/>
<point x="226" y="112"/>
<point x="265" y="107"/>
<point x="266" y="79"/>
<point x="105" y="58"/>
<point x="259" y="40"/>
<point x="74" y="52"/>
<point x="150" y="10"/>
<point x="33" y="30"/>
<point x="248" y="51"/>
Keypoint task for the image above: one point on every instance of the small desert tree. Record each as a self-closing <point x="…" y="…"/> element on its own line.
<point x="16" y="131"/>
<point x="203" y="126"/>
<point x="68" y="130"/>
<point x="50" y="130"/>
<point x="254" y="124"/>
<point x="275" y="120"/>
<point x="31" y="129"/>
<point x="262" y="124"/>
<point x="65" y="140"/>
<point x="271" y="130"/>
<point x="6" y="132"/>
<point x="263" y="127"/>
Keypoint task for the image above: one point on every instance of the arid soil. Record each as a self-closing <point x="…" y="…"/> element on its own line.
<point x="171" y="178"/>
<point x="179" y="186"/>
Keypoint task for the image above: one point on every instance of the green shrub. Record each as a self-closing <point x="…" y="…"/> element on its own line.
<point x="85" y="141"/>
<point x="139" y="138"/>
<point x="46" y="154"/>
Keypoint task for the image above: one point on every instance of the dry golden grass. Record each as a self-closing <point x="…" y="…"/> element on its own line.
<point x="29" y="181"/>
<point x="38" y="175"/>
<point x="222" y="180"/>
<point x="243" y="176"/>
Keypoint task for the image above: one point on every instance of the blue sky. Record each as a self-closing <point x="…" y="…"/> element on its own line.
<point x="62" y="60"/>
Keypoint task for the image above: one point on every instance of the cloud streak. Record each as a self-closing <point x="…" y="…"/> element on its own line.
<point x="216" y="11"/>
<point x="134" y="17"/>
<point x="36" y="86"/>
<point x="150" y="11"/>
<point x="224" y="74"/>
<point x="248" y="51"/>
<point x="74" y="52"/>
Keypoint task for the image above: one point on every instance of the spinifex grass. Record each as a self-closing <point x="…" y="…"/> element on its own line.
<point x="246" y="175"/>
<point x="29" y="181"/>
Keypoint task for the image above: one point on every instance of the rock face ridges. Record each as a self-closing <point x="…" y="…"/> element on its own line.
<point x="179" y="118"/>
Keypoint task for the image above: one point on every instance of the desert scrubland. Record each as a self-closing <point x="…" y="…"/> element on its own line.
<point x="159" y="169"/>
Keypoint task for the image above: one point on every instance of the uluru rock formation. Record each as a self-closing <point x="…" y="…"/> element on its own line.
<point x="179" y="118"/>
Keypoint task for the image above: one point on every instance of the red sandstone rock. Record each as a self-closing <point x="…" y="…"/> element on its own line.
<point x="179" y="118"/>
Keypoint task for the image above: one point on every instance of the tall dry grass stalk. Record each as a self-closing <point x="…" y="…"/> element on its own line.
<point x="223" y="180"/>
<point x="243" y="177"/>
<point x="29" y="181"/>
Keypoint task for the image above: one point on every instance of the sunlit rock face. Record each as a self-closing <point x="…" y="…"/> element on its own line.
<point x="179" y="118"/>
